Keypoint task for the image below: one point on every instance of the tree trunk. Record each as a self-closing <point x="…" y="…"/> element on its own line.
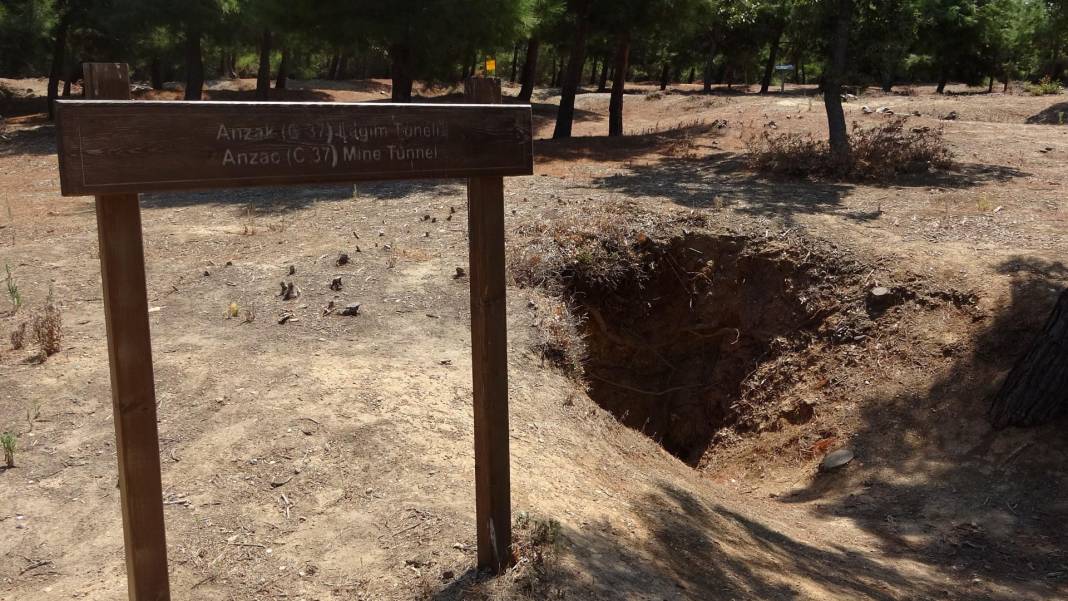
<point x="401" y="72"/>
<point x="832" y="82"/>
<point x="593" y="71"/>
<point x="1036" y="390"/>
<point x="74" y="75"/>
<point x="710" y="63"/>
<point x="530" y="70"/>
<point x="333" y="67"/>
<point x="692" y="76"/>
<point x="769" y="67"/>
<point x="194" y="65"/>
<point x="155" y="73"/>
<point x="990" y="85"/>
<point x="602" y="82"/>
<point x="59" y="56"/>
<point x="263" y="76"/>
<point x="665" y="73"/>
<point x="515" y="59"/>
<point x="615" y="105"/>
<point x="943" y="79"/>
<point x="565" y="117"/>
<point x="283" y="70"/>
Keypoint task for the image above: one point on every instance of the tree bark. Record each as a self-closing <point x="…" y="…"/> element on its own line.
<point x="334" y="62"/>
<point x="263" y="76"/>
<point x="602" y="82"/>
<point x="283" y="70"/>
<point x="593" y="71"/>
<point x="401" y="72"/>
<point x="565" y="117"/>
<point x="530" y="70"/>
<point x="665" y="73"/>
<point x="615" y="105"/>
<point x="710" y="63"/>
<point x="1036" y="390"/>
<point x="59" y="56"/>
<point x="194" y="65"/>
<point x="769" y="67"/>
<point x="832" y="83"/>
<point x="155" y="73"/>
<point x="515" y="59"/>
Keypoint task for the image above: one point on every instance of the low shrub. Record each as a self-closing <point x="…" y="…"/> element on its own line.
<point x="880" y="152"/>
<point x="1045" y="86"/>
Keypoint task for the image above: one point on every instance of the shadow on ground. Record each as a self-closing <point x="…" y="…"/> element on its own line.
<point x="1056" y="114"/>
<point x="723" y="179"/>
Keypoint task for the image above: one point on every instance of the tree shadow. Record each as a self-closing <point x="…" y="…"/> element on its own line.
<point x="267" y="200"/>
<point x="29" y="140"/>
<point x="620" y="148"/>
<point x="722" y="179"/>
<point x="1056" y="114"/>
<point x="939" y="486"/>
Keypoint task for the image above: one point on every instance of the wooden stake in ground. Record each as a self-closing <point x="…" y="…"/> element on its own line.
<point x="1036" y="390"/>
<point x="133" y="393"/>
<point x="489" y="355"/>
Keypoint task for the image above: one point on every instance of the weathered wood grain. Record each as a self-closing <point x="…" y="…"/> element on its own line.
<point x="489" y="357"/>
<point x="145" y="146"/>
<point x="133" y="392"/>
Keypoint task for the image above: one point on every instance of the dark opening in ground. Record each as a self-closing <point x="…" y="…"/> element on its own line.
<point x="676" y="355"/>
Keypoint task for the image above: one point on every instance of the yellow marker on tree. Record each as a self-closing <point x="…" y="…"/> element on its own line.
<point x="491" y="66"/>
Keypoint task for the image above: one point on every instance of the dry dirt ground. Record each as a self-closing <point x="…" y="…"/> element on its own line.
<point x="330" y="457"/>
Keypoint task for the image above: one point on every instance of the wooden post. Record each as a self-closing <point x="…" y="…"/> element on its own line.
<point x="122" y="269"/>
<point x="489" y="355"/>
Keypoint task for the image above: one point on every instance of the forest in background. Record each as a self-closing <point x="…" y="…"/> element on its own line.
<point x="557" y="43"/>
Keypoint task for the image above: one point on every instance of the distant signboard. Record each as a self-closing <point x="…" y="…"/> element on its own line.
<point x="784" y="67"/>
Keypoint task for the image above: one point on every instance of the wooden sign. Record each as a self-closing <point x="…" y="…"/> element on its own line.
<point x="116" y="148"/>
<point x="108" y="147"/>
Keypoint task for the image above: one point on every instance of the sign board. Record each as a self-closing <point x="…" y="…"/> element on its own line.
<point x="109" y="147"/>
<point x="491" y="66"/>
<point x="784" y="67"/>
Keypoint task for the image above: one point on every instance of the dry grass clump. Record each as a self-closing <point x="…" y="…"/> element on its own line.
<point x="559" y="332"/>
<point x="535" y="543"/>
<point x="880" y="152"/>
<point x="18" y="336"/>
<point x="602" y="252"/>
<point x="48" y="328"/>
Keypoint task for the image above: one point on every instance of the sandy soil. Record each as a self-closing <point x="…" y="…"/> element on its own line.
<point x="330" y="457"/>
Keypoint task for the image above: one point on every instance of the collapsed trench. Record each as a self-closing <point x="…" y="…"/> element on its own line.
<point x="671" y="353"/>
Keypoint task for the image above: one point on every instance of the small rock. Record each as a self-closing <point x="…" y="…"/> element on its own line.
<point x="292" y="270"/>
<point x="335" y="285"/>
<point x="836" y="459"/>
<point x="229" y="263"/>
<point x="343" y="259"/>
<point x="951" y="116"/>
<point x="285" y="318"/>
<point x="459" y="273"/>
<point x="351" y="309"/>
<point x="447" y="575"/>
<point x="280" y="481"/>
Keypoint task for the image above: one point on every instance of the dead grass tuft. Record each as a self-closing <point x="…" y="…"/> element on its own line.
<point x="559" y="331"/>
<point x="18" y="336"/>
<point x="48" y="328"/>
<point x="877" y="153"/>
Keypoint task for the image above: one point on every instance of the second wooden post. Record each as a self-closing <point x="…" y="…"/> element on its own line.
<point x="489" y="355"/>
